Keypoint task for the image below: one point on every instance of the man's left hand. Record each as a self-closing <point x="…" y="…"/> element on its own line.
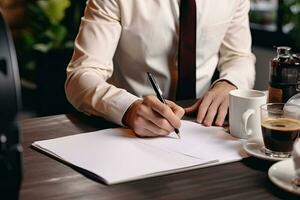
<point x="213" y="105"/>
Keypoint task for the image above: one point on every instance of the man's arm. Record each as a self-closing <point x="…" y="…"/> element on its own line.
<point x="92" y="65"/>
<point x="236" y="67"/>
<point x="236" y="59"/>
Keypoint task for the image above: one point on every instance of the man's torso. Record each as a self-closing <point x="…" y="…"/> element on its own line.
<point x="149" y="42"/>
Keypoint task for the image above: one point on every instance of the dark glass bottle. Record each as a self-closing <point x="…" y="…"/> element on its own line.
<point x="284" y="80"/>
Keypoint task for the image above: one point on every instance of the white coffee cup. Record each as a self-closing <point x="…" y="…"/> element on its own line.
<point x="244" y="114"/>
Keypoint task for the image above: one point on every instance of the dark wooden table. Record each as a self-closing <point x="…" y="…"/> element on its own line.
<point x="46" y="178"/>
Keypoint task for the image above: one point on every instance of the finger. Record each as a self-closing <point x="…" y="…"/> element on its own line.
<point x="178" y="110"/>
<point x="193" y="108"/>
<point x="168" y="114"/>
<point x="163" y="110"/>
<point x="148" y="129"/>
<point x="156" y="130"/>
<point x="148" y="114"/>
<point x="211" y="112"/>
<point x="144" y="133"/>
<point x="222" y="112"/>
<point x="139" y="128"/>
<point x="159" y="121"/>
<point x="204" y="105"/>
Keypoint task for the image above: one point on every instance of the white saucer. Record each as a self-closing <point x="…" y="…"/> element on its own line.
<point x="257" y="150"/>
<point x="282" y="174"/>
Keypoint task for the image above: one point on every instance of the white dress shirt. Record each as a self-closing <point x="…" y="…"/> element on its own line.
<point x="120" y="40"/>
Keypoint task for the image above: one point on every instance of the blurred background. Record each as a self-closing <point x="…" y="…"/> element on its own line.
<point x="44" y="31"/>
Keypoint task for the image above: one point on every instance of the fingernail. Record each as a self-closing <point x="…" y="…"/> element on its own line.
<point x="199" y="121"/>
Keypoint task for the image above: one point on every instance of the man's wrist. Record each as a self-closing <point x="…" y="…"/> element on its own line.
<point x="227" y="83"/>
<point x="129" y="112"/>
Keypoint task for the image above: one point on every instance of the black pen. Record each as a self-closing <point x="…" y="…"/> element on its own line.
<point x="159" y="95"/>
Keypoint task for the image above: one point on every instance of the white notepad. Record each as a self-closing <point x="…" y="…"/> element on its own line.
<point x="117" y="155"/>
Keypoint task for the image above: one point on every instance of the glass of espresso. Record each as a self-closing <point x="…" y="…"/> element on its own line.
<point x="280" y="124"/>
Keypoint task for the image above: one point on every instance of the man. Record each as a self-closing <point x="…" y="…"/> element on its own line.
<point x="120" y="40"/>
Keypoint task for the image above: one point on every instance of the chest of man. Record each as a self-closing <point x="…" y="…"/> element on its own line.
<point x="150" y="34"/>
<point x="153" y="27"/>
<point x="166" y="12"/>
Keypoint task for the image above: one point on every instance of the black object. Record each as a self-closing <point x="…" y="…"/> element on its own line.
<point x="51" y="77"/>
<point x="284" y="76"/>
<point x="10" y="103"/>
<point x="186" y="85"/>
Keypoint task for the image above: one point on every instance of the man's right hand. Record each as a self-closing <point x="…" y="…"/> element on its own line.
<point x="149" y="117"/>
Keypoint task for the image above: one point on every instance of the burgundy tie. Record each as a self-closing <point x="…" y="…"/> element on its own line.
<point x="186" y="85"/>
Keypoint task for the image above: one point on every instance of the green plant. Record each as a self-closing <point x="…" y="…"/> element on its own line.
<point x="52" y="26"/>
<point x="46" y="31"/>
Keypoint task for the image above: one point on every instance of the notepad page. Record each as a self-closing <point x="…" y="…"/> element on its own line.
<point x="117" y="155"/>
<point x="202" y="142"/>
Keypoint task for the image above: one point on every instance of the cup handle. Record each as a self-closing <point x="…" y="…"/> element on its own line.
<point x="245" y="118"/>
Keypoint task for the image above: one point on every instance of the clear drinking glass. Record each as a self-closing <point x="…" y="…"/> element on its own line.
<point x="280" y="125"/>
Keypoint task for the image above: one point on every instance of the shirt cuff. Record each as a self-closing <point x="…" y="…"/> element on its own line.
<point x="232" y="82"/>
<point x="118" y="107"/>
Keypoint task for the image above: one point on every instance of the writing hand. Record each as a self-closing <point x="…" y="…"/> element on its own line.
<point x="149" y="117"/>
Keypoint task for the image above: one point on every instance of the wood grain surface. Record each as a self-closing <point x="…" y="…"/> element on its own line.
<point x="46" y="178"/>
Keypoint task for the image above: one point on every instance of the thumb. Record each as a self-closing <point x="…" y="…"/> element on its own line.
<point x="178" y="110"/>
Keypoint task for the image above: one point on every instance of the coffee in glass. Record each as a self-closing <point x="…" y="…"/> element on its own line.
<point x="280" y="129"/>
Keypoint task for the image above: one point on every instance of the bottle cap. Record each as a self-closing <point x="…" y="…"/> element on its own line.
<point x="283" y="52"/>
